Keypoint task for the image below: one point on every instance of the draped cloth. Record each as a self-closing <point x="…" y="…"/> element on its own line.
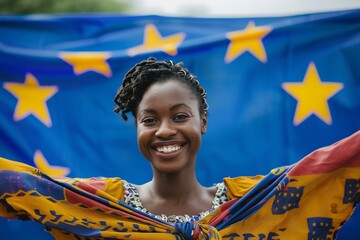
<point x="311" y="199"/>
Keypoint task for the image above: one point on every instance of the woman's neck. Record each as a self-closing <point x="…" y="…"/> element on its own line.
<point x="176" y="186"/>
<point x="175" y="194"/>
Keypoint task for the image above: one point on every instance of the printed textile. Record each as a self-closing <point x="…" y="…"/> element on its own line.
<point x="308" y="200"/>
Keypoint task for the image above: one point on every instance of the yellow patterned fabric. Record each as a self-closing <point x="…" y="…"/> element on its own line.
<point x="308" y="200"/>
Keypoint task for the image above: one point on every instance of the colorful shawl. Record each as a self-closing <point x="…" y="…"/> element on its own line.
<point x="308" y="200"/>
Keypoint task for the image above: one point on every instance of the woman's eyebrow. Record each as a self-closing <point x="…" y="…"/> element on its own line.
<point x="172" y="108"/>
<point x="176" y="106"/>
<point x="147" y="110"/>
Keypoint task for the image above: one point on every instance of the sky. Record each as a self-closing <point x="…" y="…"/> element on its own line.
<point x="239" y="8"/>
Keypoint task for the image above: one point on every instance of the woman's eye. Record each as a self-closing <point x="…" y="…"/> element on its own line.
<point x="148" y="121"/>
<point x="180" y="117"/>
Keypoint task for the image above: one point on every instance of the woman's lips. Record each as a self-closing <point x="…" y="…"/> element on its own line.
<point x="168" y="149"/>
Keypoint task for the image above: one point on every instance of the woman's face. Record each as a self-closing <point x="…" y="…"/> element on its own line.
<point x="169" y="126"/>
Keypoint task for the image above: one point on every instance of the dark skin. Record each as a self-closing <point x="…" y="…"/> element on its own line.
<point x="169" y="131"/>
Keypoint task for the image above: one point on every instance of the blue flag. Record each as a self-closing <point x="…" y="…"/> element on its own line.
<point x="277" y="88"/>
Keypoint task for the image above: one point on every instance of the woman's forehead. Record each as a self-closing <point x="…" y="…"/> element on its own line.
<point x="169" y="93"/>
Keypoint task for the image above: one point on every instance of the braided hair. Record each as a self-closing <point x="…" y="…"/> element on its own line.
<point x="147" y="72"/>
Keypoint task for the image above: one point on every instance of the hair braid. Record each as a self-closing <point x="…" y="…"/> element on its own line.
<point x="147" y="72"/>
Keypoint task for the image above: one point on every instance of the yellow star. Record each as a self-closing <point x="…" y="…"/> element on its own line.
<point x="312" y="96"/>
<point x="88" y="61"/>
<point x="42" y="164"/>
<point x="249" y="39"/>
<point x="31" y="99"/>
<point x="153" y="41"/>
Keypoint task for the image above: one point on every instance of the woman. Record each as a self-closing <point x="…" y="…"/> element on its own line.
<point x="308" y="200"/>
<point x="170" y="110"/>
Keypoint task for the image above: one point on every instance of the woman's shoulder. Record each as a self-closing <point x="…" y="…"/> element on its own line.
<point x="239" y="186"/>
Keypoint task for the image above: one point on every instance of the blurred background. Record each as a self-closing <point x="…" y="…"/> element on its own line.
<point x="253" y="125"/>
<point x="200" y="8"/>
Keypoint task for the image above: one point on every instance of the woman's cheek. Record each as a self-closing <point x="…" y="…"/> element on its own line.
<point x="144" y="137"/>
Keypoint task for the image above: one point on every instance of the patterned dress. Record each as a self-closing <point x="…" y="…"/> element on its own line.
<point x="131" y="197"/>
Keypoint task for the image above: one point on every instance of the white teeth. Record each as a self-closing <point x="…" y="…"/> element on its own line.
<point x="168" y="149"/>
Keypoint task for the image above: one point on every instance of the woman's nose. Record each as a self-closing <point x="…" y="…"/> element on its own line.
<point x="165" y="130"/>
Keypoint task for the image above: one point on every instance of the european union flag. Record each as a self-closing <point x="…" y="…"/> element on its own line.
<point x="351" y="192"/>
<point x="287" y="199"/>
<point x="320" y="228"/>
<point x="277" y="87"/>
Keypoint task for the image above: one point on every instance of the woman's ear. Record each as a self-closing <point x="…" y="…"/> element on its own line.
<point x="204" y="121"/>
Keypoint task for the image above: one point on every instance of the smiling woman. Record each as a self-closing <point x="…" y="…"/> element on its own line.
<point x="170" y="110"/>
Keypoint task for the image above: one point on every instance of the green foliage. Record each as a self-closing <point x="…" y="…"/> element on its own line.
<point x="61" y="6"/>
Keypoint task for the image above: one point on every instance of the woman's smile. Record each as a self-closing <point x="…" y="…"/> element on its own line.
<point x="168" y="149"/>
<point x="168" y="146"/>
